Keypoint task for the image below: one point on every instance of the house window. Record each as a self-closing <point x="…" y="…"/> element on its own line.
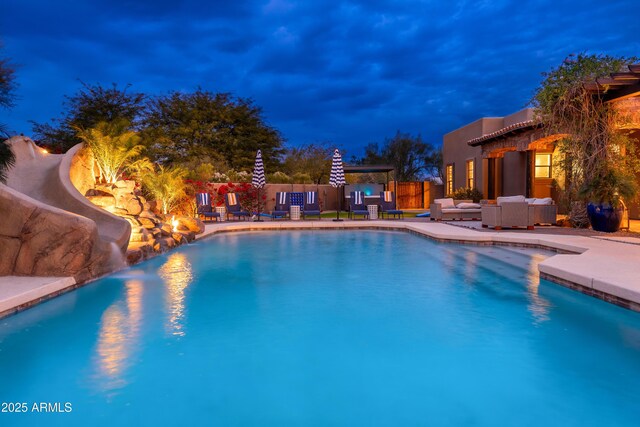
<point x="543" y="166"/>
<point x="470" y="174"/>
<point x="449" y="179"/>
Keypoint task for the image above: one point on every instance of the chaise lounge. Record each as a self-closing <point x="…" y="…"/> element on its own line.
<point x="233" y="207"/>
<point x="388" y="205"/>
<point x="357" y="206"/>
<point x="204" y="209"/>
<point x="311" y="205"/>
<point x="283" y="204"/>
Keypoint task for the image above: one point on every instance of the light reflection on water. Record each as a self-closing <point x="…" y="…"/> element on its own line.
<point x="177" y="274"/>
<point x="118" y="336"/>
<point x="538" y="306"/>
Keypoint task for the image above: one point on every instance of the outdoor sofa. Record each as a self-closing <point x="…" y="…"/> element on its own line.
<point x="545" y="211"/>
<point x="448" y="209"/>
<point x="510" y="212"/>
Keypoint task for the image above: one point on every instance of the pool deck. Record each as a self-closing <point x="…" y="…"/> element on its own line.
<point x="603" y="267"/>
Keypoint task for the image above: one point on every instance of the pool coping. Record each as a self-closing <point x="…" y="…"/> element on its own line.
<point x="600" y="268"/>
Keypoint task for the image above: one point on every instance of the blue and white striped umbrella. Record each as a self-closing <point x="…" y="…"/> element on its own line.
<point x="258" y="180"/>
<point x="337" y="172"/>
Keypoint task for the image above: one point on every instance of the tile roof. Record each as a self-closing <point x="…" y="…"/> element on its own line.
<point x="516" y="127"/>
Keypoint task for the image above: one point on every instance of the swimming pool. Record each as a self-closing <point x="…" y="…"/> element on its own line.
<point x="324" y="328"/>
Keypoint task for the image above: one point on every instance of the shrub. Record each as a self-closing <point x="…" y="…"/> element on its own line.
<point x="246" y="193"/>
<point x="166" y="186"/>
<point x="279" y="178"/>
<point x="466" y="194"/>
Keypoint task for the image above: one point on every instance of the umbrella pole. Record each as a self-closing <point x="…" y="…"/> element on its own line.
<point x="258" y="206"/>
<point x="339" y="204"/>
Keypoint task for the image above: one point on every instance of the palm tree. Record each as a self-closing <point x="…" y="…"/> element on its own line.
<point x="7" y="159"/>
<point x="166" y="185"/>
<point x="113" y="147"/>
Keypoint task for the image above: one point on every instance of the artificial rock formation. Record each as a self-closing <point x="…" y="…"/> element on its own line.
<point x="40" y="240"/>
<point x="47" y="228"/>
<point x="151" y="233"/>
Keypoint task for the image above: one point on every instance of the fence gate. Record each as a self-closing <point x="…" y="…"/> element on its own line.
<point x="410" y="195"/>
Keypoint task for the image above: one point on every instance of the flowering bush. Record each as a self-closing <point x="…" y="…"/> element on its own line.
<point x="250" y="198"/>
<point x="193" y="187"/>
<point x="219" y="177"/>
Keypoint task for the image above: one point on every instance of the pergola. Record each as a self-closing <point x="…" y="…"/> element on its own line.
<point x="369" y="169"/>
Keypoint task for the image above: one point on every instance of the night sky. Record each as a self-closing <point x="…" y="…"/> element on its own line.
<point x="348" y="73"/>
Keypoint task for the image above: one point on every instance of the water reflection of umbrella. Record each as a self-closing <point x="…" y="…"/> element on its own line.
<point x="258" y="180"/>
<point x="337" y="178"/>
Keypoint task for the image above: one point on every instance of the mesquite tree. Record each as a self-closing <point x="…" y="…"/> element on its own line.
<point x="597" y="157"/>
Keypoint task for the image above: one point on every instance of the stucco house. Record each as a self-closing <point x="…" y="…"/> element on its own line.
<point x="512" y="155"/>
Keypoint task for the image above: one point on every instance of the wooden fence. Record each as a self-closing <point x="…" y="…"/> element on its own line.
<point x="415" y="195"/>
<point x="410" y="195"/>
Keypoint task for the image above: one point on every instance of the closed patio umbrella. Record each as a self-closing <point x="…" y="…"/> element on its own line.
<point x="336" y="179"/>
<point x="258" y="181"/>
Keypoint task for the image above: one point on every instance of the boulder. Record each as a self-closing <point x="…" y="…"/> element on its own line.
<point x="134" y="255"/>
<point x="179" y="238"/>
<point x="146" y="222"/>
<point x="139" y="234"/>
<point x="160" y="245"/>
<point x="131" y="205"/>
<point x="146" y="213"/>
<point x="126" y="186"/>
<point x="189" y="236"/>
<point x="166" y="229"/>
<point x="145" y="249"/>
<point x="170" y="242"/>
<point x="104" y="201"/>
<point x="92" y="192"/>
<point x="191" y="224"/>
<point x="106" y="188"/>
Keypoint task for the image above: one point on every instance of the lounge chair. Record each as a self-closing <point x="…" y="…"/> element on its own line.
<point x="233" y="207"/>
<point x="283" y="205"/>
<point x="357" y="206"/>
<point x="388" y="205"/>
<point x="510" y="212"/>
<point x="311" y="205"/>
<point x="204" y="209"/>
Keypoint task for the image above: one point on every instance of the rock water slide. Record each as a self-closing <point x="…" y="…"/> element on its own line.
<point x="47" y="228"/>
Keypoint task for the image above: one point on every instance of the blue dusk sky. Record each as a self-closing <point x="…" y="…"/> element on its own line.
<point x="344" y="72"/>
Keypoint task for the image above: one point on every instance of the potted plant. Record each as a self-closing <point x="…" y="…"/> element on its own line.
<point x="605" y="193"/>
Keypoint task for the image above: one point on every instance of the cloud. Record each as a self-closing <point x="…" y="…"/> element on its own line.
<point x="350" y="72"/>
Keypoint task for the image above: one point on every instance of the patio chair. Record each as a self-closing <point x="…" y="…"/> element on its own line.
<point x="311" y="205"/>
<point x="388" y="205"/>
<point x="204" y="209"/>
<point x="233" y="207"/>
<point x="283" y="204"/>
<point x="509" y="212"/>
<point x="357" y="206"/>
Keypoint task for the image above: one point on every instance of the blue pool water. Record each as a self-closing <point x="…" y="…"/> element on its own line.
<point x="325" y="328"/>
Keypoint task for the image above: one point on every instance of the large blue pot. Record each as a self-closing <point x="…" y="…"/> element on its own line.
<point x="604" y="217"/>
